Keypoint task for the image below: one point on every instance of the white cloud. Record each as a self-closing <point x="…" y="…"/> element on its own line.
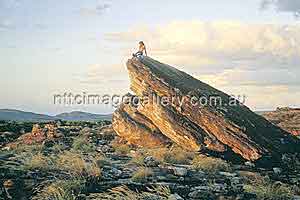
<point x="260" y="59"/>
<point x="98" y="9"/>
<point x="6" y="24"/>
<point x="292" y="6"/>
<point x="219" y="44"/>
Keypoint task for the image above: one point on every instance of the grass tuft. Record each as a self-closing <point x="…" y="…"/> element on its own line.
<point x="142" y="175"/>
<point x="209" y="164"/>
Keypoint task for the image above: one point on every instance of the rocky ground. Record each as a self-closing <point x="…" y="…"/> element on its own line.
<point x="88" y="161"/>
<point x="286" y="118"/>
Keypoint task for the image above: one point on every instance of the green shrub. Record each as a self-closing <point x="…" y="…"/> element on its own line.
<point x="82" y="144"/>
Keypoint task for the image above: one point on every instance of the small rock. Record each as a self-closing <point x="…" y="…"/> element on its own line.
<point x="101" y="142"/>
<point x="106" y="148"/>
<point x="180" y="171"/>
<point x="296" y="198"/>
<point x="8" y="183"/>
<point x="151" y="162"/>
<point x="277" y="170"/>
<point x="228" y="174"/>
<point x="152" y="197"/>
<point x="249" y="164"/>
<point x="198" y="194"/>
<point x="175" y="197"/>
<point x="115" y="172"/>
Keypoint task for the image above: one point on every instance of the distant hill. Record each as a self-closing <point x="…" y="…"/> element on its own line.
<point x="82" y="116"/>
<point x="17" y="115"/>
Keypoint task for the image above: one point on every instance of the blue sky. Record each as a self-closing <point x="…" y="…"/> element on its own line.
<point x="50" y="47"/>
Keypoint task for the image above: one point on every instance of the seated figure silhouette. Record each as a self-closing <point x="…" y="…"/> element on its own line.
<point x="142" y="49"/>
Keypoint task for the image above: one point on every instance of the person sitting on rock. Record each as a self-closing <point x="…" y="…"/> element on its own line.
<point x="142" y="49"/>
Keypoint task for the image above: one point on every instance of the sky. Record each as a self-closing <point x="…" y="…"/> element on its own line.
<point x="51" y="47"/>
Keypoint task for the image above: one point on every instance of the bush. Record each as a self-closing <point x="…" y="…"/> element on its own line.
<point x="251" y="177"/>
<point x="82" y="144"/>
<point x="270" y="191"/>
<point x="120" y="147"/>
<point x="58" y="148"/>
<point x="174" y="155"/>
<point x="138" y="158"/>
<point x="209" y="164"/>
<point x="75" y="164"/>
<point x="38" y="162"/>
<point x="177" y="155"/>
<point x="34" y="148"/>
<point x="61" y="190"/>
<point x="142" y="175"/>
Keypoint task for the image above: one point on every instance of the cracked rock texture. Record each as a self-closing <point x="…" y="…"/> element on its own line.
<point x="168" y="107"/>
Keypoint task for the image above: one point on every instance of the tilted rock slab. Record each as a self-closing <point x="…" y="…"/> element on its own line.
<point x="171" y="106"/>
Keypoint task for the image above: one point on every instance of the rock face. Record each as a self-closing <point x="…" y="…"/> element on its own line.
<point x="171" y="105"/>
<point x="286" y="118"/>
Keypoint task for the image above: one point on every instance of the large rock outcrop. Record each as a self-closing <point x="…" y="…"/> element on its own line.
<point x="171" y="105"/>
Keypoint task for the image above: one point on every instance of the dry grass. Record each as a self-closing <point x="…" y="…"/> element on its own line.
<point x="209" y="164"/>
<point x="82" y="144"/>
<point x="74" y="163"/>
<point x="142" y="175"/>
<point x="173" y="155"/>
<point x="120" y="146"/>
<point x="124" y="193"/>
<point x="251" y="177"/>
<point x="34" y="148"/>
<point x="177" y="155"/>
<point x="38" y="162"/>
<point x="270" y="191"/>
<point x="138" y="158"/>
<point x="60" y="190"/>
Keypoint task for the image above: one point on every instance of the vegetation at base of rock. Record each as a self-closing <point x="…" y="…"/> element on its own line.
<point x="177" y="155"/>
<point x="67" y="168"/>
<point x="172" y="155"/>
<point x="120" y="147"/>
<point x="209" y="164"/>
<point x="142" y="174"/>
<point x="270" y="191"/>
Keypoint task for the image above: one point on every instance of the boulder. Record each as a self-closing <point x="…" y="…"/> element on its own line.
<point x="169" y="105"/>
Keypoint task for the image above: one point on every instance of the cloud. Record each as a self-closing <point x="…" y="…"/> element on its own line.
<point x="292" y="6"/>
<point x="98" y="9"/>
<point x="108" y="76"/>
<point x="6" y="25"/>
<point x="218" y="44"/>
<point x="228" y="55"/>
